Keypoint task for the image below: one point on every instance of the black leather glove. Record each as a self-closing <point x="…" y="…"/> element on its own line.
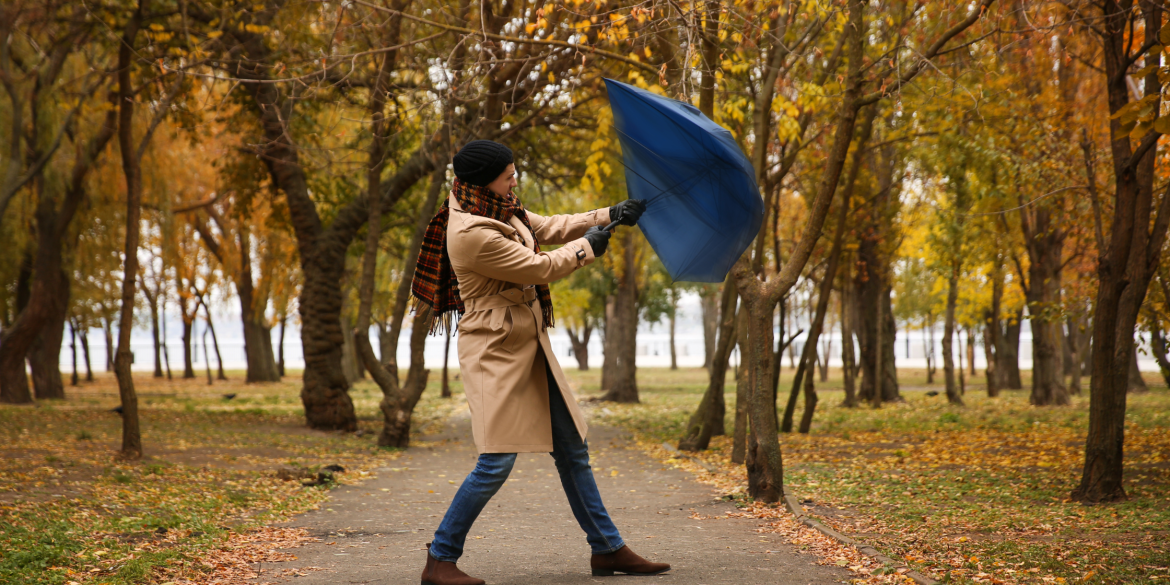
<point x="598" y="240"/>
<point x="627" y="212"/>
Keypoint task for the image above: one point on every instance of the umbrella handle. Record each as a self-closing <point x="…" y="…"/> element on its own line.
<point x="611" y="227"/>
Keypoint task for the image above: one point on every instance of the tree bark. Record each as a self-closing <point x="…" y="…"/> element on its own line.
<point x="710" y="310"/>
<point x="623" y="382"/>
<point x="325" y="391"/>
<point x="1073" y="343"/>
<point x="742" y="394"/>
<point x="808" y="356"/>
<point x="609" y="343"/>
<point x="1136" y="384"/>
<point x="85" y="352"/>
<point x="280" y="364"/>
<point x="445" y="391"/>
<point x="214" y="343"/>
<point x="73" y="350"/>
<point x="188" y="347"/>
<point x="1009" y="356"/>
<point x="207" y="356"/>
<point x="131" y="435"/>
<point x="708" y="417"/>
<point x="847" y="355"/>
<point x="108" y="330"/>
<point x="993" y="334"/>
<point x="44" y="274"/>
<point x="1125" y="267"/>
<point x="1045" y="244"/>
<point x="44" y="358"/>
<point x="953" y="394"/>
<point x="152" y="301"/>
<point x="580" y="343"/>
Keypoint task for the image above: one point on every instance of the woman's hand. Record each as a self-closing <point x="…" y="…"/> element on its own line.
<point x="627" y="212"/>
<point x="598" y="240"/>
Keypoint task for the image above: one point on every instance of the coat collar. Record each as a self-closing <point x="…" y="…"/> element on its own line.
<point x="478" y="220"/>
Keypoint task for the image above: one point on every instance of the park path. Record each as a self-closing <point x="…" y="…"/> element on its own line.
<point x="375" y="533"/>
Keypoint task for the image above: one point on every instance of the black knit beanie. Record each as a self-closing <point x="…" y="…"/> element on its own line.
<point x="480" y="162"/>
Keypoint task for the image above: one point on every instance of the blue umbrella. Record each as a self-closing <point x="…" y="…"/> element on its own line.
<point x="702" y="205"/>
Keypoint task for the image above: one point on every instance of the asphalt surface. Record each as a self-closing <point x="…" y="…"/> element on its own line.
<point x="376" y="533"/>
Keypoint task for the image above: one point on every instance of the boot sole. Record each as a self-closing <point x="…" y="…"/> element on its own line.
<point x="610" y="573"/>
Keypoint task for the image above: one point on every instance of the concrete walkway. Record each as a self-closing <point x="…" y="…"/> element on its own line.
<point x="375" y="533"/>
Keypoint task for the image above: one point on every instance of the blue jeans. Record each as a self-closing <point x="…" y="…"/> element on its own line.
<point x="571" y="455"/>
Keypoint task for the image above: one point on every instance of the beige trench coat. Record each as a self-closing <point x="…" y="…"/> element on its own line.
<point x="502" y="346"/>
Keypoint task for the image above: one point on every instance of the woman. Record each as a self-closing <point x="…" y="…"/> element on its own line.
<point x="482" y="258"/>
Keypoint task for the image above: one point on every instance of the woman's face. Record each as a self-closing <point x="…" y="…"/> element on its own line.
<point x="505" y="182"/>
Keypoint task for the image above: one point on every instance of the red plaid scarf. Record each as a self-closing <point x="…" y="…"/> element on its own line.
<point x="434" y="281"/>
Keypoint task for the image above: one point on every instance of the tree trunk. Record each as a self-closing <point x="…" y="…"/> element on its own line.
<point x="1073" y="344"/>
<point x="188" y="347"/>
<point x="445" y="391"/>
<point x="396" y="414"/>
<point x="42" y="289"/>
<point x="875" y="301"/>
<point x="280" y="364"/>
<point x="349" y="358"/>
<point x="165" y="351"/>
<point x="929" y="351"/>
<point x="847" y="355"/>
<point x="989" y="356"/>
<point x="131" y="435"/>
<point x="808" y="356"/>
<point x="1009" y="357"/>
<point x="325" y="393"/>
<point x="44" y="358"/>
<point x="1045" y="245"/>
<point x="152" y="300"/>
<point x="1136" y="384"/>
<point x="710" y="310"/>
<point x="1126" y="265"/>
<point x="609" y="343"/>
<point x="823" y="356"/>
<point x="953" y="394"/>
<point x="810" y="404"/>
<point x="1158" y="341"/>
<point x="742" y="393"/>
<point x="207" y="356"/>
<point x="215" y="344"/>
<point x="708" y="417"/>
<point x="623" y="383"/>
<point x="108" y="329"/>
<point x="73" y="350"/>
<point x="970" y="352"/>
<point x="580" y="345"/>
<point x="993" y="334"/>
<point x="85" y="352"/>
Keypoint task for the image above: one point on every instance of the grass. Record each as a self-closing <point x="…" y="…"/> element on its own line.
<point x="71" y="512"/>
<point x="966" y="494"/>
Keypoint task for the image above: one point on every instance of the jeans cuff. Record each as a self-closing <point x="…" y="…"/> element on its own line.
<point x="445" y="559"/>
<point x="612" y="550"/>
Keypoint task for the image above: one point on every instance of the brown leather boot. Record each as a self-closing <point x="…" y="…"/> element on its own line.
<point x="444" y="573"/>
<point x="625" y="561"/>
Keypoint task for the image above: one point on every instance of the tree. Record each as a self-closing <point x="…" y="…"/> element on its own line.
<point x="41" y="71"/>
<point x="1130" y="256"/>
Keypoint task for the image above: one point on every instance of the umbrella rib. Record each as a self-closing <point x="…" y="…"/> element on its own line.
<point x="661" y="191"/>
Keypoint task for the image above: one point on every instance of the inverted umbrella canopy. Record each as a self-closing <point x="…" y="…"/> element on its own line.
<point x="703" y="207"/>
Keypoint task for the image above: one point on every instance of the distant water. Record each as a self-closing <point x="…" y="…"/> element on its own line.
<point x="653" y="349"/>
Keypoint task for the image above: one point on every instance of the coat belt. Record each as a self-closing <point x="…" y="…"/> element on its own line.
<point x="498" y="304"/>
